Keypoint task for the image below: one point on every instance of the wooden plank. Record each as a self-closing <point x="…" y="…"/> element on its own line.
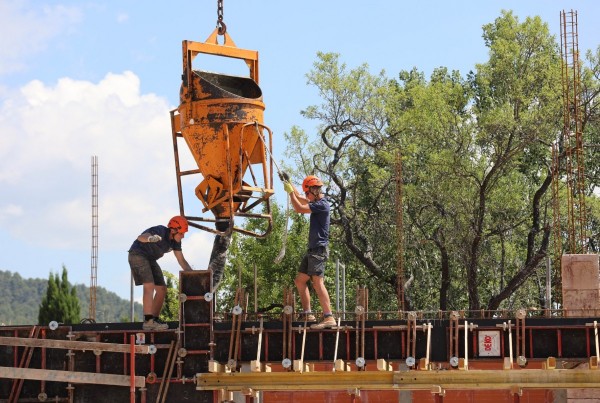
<point x="70" y="376"/>
<point x="73" y="345"/>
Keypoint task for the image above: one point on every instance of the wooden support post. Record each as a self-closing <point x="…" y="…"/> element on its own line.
<point x="341" y="365"/>
<point x="383" y="365"/>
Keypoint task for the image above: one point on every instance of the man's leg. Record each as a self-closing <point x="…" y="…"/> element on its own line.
<point x="302" y="287"/>
<point x="319" y="286"/>
<point x="141" y="270"/>
<point x="148" y="299"/>
<point x="160" y="293"/>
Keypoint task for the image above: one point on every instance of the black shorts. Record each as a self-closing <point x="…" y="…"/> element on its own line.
<point x="145" y="270"/>
<point x="314" y="261"/>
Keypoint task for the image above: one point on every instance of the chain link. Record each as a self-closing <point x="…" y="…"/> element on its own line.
<point x="220" y="24"/>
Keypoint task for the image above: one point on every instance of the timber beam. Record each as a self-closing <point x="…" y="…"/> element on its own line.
<point x="403" y="380"/>
<point x="76" y="345"/>
<point x="72" y="377"/>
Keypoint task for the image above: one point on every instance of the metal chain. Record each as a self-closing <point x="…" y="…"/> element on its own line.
<point x="220" y="24"/>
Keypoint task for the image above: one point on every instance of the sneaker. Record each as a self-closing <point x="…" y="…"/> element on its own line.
<point x="160" y="322"/>
<point x="155" y="324"/>
<point x="327" y="323"/>
<point x="308" y="316"/>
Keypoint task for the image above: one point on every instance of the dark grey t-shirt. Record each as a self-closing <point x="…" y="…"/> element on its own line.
<point x="318" y="232"/>
<point x="155" y="250"/>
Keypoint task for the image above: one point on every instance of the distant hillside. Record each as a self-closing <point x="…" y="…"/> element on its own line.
<point x="20" y="300"/>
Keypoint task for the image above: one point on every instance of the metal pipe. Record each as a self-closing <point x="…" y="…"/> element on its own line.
<point x="596" y="339"/>
<point x="429" y="326"/>
<point x="259" y="341"/>
<point x="337" y="339"/>
<point x="510" y="343"/>
<point x="344" y="291"/>
<point x="132" y="369"/>
<point x="303" y="345"/>
<point x="466" y="344"/>
<point x="548" y="283"/>
<point x="131" y="297"/>
<point x="337" y="285"/>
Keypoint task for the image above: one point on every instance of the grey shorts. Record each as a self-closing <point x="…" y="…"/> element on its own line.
<point x="145" y="270"/>
<point x="314" y="261"/>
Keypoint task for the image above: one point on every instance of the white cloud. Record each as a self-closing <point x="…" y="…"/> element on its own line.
<point x="50" y="133"/>
<point x="34" y="27"/>
<point x="10" y="212"/>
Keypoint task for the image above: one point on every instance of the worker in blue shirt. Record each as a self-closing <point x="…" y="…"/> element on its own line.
<point x="313" y="264"/>
<point x="150" y="246"/>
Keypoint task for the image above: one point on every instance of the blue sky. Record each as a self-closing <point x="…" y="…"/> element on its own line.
<point x="81" y="78"/>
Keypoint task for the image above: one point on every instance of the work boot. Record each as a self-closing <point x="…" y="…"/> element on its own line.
<point x="327" y="323"/>
<point x="155" y="324"/>
<point x="308" y="316"/>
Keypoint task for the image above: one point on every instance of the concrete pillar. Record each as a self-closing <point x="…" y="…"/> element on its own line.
<point x="580" y="285"/>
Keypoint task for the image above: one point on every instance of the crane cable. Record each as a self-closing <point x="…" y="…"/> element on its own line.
<point x="281" y="253"/>
<point x="284" y="177"/>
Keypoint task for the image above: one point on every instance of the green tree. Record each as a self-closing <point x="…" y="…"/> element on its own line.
<point x="475" y="169"/>
<point x="353" y="154"/>
<point x="275" y="259"/>
<point x="170" y="310"/>
<point x="60" y="303"/>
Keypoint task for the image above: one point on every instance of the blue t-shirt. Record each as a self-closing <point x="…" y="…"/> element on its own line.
<point x="318" y="231"/>
<point x="155" y="250"/>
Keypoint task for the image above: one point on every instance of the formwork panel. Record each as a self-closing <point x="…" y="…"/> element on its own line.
<point x="194" y="364"/>
<point x="196" y="311"/>
<point x="221" y="347"/>
<point x="197" y="337"/>
<point x="574" y="343"/>
<point x="249" y="347"/>
<point x="389" y="345"/>
<point x="545" y="343"/>
<point x="195" y="283"/>
<point x="311" y="345"/>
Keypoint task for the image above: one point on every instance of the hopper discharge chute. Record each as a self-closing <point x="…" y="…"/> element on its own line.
<point x="220" y="117"/>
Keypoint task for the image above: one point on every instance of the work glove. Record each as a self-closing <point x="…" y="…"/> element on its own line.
<point x="287" y="186"/>
<point x="154" y="238"/>
<point x="284" y="176"/>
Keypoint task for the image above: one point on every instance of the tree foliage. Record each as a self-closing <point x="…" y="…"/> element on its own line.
<point x="274" y="259"/>
<point x="20" y="299"/>
<point x="60" y="303"/>
<point x="170" y="310"/>
<point x="474" y="174"/>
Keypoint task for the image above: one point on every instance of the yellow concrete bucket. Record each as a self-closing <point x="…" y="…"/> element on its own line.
<point x="221" y="119"/>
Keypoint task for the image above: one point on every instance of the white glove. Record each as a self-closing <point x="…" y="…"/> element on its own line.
<point x="154" y="238"/>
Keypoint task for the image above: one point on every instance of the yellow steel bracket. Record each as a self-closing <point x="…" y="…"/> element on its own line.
<point x="211" y="46"/>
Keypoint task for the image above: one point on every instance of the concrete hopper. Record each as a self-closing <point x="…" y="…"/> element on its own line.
<point x="220" y="117"/>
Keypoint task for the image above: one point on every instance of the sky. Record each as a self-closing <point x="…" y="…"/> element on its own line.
<point x="81" y="78"/>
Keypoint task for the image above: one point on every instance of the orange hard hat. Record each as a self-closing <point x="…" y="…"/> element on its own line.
<point x="179" y="223"/>
<point x="310" y="181"/>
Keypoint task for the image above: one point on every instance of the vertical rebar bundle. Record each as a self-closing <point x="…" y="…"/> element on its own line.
<point x="572" y="134"/>
<point x="400" y="234"/>
<point x="94" y="261"/>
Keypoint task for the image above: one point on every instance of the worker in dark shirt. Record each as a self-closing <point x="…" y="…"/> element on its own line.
<point x="312" y="267"/>
<point x="150" y="246"/>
